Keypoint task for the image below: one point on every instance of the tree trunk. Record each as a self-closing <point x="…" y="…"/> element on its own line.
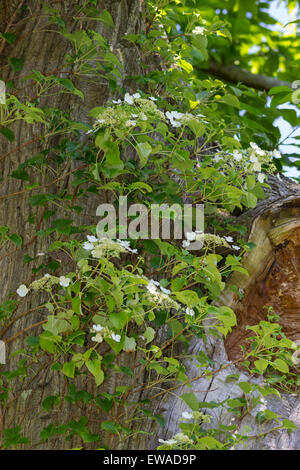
<point x="43" y="49"/>
<point x="273" y="226"/>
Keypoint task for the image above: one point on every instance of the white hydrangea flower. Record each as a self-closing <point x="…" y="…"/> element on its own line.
<point x="276" y="154"/>
<point x="174" y="117"/>
<point x="237" y="155"/>
<point x="191" y="236"/>
<point x="182" y="438"/>
<point x="143" y="117"/>
<point x="151" y="287"/>
<point x="22" y="291"/>
<point x="261" y="177"/>
<point x="98" y="338"/>
<point x="116" y="338"/>
<point x="136" y="95"/>
<point x="128" y="98"/>
<point x="253" y="158"/>
<point x="126" y="244"/>
<point x="190" y="312"/>
<point x="47" y="275"/>
<point x="235" y="247"/>
<point x="185" y="244"/>
<point x="165" y="291"/>
<point x="187" y="415"/>
<point x="152" y="98"/>
<point x="92" y="239"/>
<point x="117" y="101"/>
<point x="257" y="149"/>
<point x="229" y="239"/>
<point x="198" y="30"/>
<point x="88" y="246"/>
<point x="257" y="166"/>
<point x="130" y="123"/>
<point x="169" y="442"/>
<point x="254" y="145"/>
<point x="97" y="327"/>
<point x="64" y="281"/>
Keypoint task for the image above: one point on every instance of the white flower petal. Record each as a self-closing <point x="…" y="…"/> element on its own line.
<point x="128" y="98"/>
<point x="88" y="246"/>
<point x="91" y="238"/>
<point x="235" y="247"/>
<point x="116" y="338"/>
<point x="190" y="312"/>
<point x="97" y="327"/>
<point x="22" y="291"/>
<point x="190" y="236"/>
<point x="64" y="281"/>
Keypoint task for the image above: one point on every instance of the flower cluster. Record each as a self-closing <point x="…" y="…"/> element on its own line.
<point x="105" y="246"/>
<point x="212" y="240"/>
<point x="192" y="236"/>
<point x="46" y="282"/>
<point x="177" y="119"/>
<point x="161" y="295"/>
<point x="196" y="416"/>
<point x="252" y="159"/>
<point x="179" y="439"/>
<point x="134" y="111"/>
<point x="102" y="332"/>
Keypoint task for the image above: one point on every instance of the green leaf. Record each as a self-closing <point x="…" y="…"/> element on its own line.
<point x="94" y="366"/>
<point x="9" y="37"/>
<point x="261" y="365"/>
<point x="16" y="64"/>
<point x="144" y="149"/>
<point x="69" y="369"/>
<point x="280" y="365"/>
<point x="68" y="84"/>
<point x="119" y="320"/>
<point x="149" y="334"/>
<point x="188" y="297"/>
<point x="129" y="345"/>
<point x="196" y="127"/>
<point x="289" y="425"/>
<point x="7" y="133"/>
<point x="106" y="18"/>
<point x="50" y="401"/>
<point x="17" y="239"/>
<point x="191" y="400"/>
<point x="251" y="200"/>
<point x="231" y="100"/>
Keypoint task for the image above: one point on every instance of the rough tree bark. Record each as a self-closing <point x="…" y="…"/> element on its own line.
<point x="273" y="226"/>
<point x="44" y="50"/>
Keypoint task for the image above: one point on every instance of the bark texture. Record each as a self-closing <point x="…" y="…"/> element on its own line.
<point x="271" y="225"/>
<point x="43" y="49"/>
